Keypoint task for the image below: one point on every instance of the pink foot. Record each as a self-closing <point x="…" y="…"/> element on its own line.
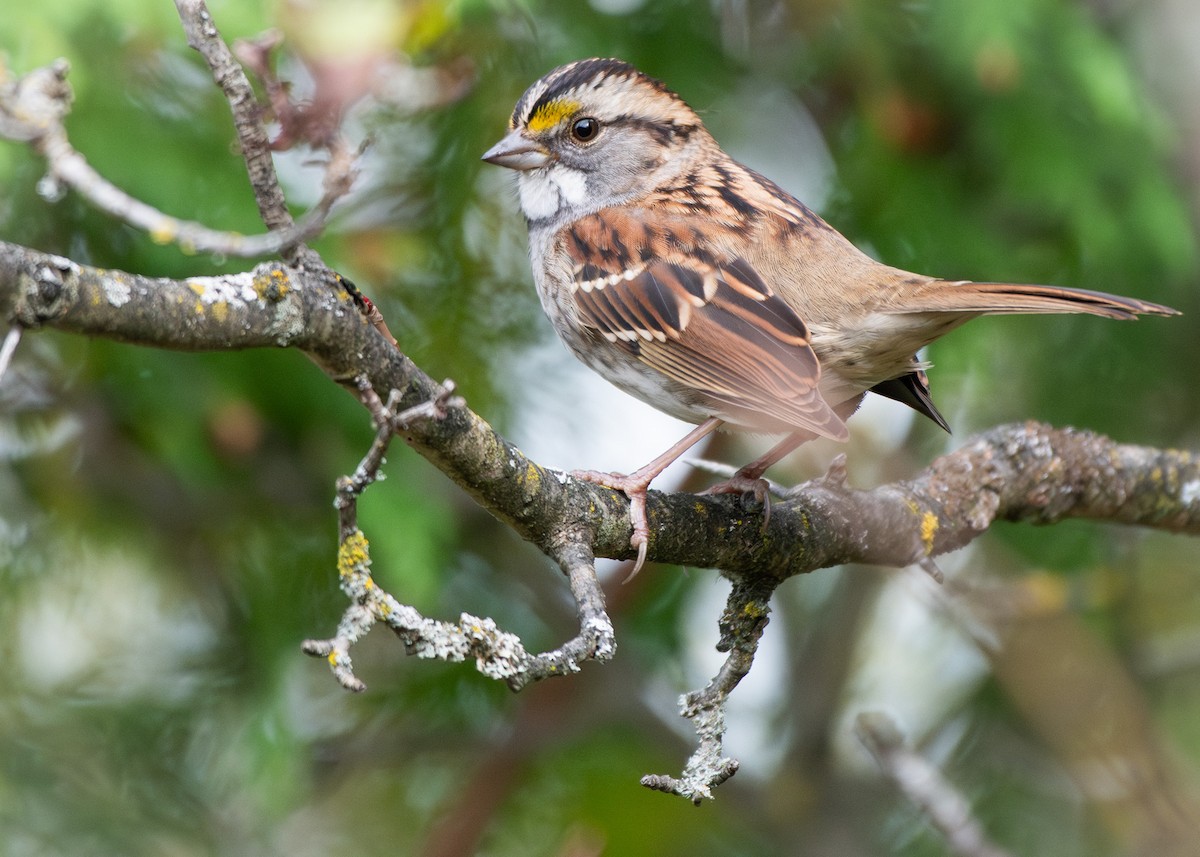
<point x="739" y="484"/>
<point x="633" y="487"/>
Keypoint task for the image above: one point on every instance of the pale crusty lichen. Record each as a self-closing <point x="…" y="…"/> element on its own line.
<point x="233" y="289"/>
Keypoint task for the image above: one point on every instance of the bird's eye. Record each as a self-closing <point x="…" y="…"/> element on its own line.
<point x="585" y="129"/>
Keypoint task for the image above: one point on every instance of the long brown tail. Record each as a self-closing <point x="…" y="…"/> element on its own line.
<point x="965" y="296"/>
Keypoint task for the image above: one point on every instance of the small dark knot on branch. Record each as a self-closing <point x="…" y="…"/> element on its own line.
<point x="49" y="284"/>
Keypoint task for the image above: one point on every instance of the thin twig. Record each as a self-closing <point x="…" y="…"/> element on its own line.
<point x="925" y="786"/>
<point x="497" y="654"/>
<point x="742" y="625"/>
<point x="11" y="340"/>
<point x="32" y="109"/>
<point x="203" y="36"/>
<point x="70" y="167"/>
<point x="596" y="639"/>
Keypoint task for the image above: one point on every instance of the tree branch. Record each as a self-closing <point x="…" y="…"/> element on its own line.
<point x="230" y="77"/>
<point x="33" y="108"/>
<point x="1021" y="472"/>
<point x="742" y="626"/>
<point x="497" y="654"/>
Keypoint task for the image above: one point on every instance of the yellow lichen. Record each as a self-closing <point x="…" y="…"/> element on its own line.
<point x="279" y="280"/>
<point x="220" y="311"/>
<point x="353" y="554"/>
<point x="753" y="610"/>
<point x="343" y="290"/>
<point x="929" y="528"/>
<point x="532" y="480"/>
<point x="165" y="232"/>
<point x="272" y="286"/>
<point x="551" y="113"/>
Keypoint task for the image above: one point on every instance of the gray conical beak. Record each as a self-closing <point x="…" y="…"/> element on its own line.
<point x="518" y="152"/>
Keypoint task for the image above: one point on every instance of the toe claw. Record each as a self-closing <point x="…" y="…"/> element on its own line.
<point x="641" y="560"/>
<point x="633" y="487"/>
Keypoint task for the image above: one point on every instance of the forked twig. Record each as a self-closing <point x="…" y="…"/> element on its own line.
<point x="32" y="110"/>
<point x="497" y="654"/>
<point x="742" y="625"/>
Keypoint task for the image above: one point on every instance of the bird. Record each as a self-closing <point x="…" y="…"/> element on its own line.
<point x="706" y="290"/>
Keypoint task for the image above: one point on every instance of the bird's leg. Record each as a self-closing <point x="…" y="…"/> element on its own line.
<point x="634" y="485"/>
<point x="748" y="479"/>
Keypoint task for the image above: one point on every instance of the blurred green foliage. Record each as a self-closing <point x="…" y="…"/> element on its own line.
<point x="167" y="533"/>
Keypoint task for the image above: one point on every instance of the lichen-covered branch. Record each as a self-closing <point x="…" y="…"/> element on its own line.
<point x="263" y="307"/>
<point x="1025" y="472"/>
<point x="497" y="654"/>
<point x="1028" y="472"/>
<point x="1018" y="472"/>
<point x="742" y="624"/>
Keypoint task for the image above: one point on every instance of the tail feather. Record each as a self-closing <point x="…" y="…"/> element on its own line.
<point x="913" y="390"/>
<point x="965" y="296"/>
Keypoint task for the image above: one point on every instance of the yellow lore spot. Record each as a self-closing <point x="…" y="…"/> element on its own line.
<point x="551" y="113"/>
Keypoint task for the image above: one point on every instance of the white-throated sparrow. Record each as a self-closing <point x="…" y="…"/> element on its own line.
<point x="706" y="290"/>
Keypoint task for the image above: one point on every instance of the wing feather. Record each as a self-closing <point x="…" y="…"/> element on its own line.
<point x="709" y="323"/>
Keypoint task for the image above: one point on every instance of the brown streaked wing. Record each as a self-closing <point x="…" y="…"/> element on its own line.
<point x="717" y="329"/>
<point x="752" y="363"/>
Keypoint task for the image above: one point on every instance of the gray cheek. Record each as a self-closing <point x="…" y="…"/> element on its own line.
<point x="622" y="176"/>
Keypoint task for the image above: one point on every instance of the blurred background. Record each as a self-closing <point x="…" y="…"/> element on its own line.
<point x="166" y="531"/>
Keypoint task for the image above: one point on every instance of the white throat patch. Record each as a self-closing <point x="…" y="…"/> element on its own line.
<point x="543" y="192"/>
